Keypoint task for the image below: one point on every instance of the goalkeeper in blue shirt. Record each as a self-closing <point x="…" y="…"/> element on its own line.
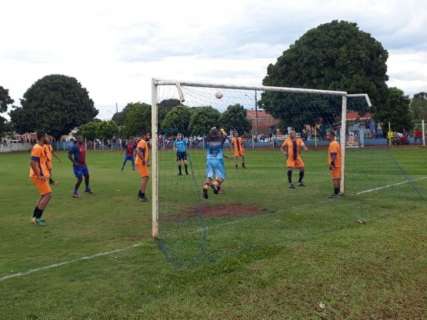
<point x="180" y="146"/>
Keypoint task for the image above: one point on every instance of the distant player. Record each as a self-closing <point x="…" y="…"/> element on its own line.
<point x="142" y="155"/>
<point x="77" y="156"/>
<point x="180" y="146"/>
<point x="39" y="174"/>
<point x="215" y="169"/>
<point x="292" y="149"/>
<point x="129" y="153"/>
<point x="238" y="150"/>
<point x="334" y="161"/>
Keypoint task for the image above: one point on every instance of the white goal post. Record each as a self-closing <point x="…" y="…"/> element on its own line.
<point x="156" y="83"/>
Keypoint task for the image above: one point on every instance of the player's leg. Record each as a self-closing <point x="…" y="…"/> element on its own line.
<point x="45" y="195"/>
<point x="125" y="160"/>
<point x="301" y="177"/>
<point x="179" y="163"/>
<point x="79" y="176"/>
<point x="87" y="180"/>
<point x="289" y="174"/>
<point x="336" y="182"/>
<point x="143" y="187"/>
<point x="132" y="160"/>
<point x="209" y="178"/>
<point x="219" y="171"/>
<point x="243" y="161"/>
<point x="185" y="162"/>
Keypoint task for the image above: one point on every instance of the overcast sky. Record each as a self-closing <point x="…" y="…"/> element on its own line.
<point x="114" y="48"/>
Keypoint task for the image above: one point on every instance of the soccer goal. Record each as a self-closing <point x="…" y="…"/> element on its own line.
<point x="310" y="112"/>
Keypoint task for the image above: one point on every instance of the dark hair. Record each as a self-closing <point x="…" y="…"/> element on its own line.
<point x="40" y="135"/>
<point x="213" y="134"/>
<point x="332" y="133"/>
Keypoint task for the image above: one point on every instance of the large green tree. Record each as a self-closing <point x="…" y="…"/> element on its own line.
<point x="234" y="118"/>
<point x="5" y="101"/>
<point x="89" y="130"/>
<point x="332" y="56"/>
<point x="396" y="111"/>
<point x="202" y="119"/>
<point x="138" y="119"/>
<point x="419" y="106"/>
<point x="55" y="104"/>
<point x="107" y="130"/>
<point x="177" y="120"/>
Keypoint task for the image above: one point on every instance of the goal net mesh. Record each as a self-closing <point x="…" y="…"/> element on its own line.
<point x="256" y="203"/>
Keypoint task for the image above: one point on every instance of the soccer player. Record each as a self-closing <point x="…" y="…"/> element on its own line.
<point x="142" y="155"/>
<point x="129" y="153"/>
<point x="292" y="149"/>
<point x="215" y="169"/>
<point x="180" y="146"/>
<point x="334" y="161"/>
<point x="77" y="156"/>
<point x="39" y="174"/>
<point x="238" y="149"/>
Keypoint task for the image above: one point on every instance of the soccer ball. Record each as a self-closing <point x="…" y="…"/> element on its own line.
<point x="218" y="95"/>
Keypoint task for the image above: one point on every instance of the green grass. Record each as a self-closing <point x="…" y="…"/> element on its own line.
<point x="302" y="249"/>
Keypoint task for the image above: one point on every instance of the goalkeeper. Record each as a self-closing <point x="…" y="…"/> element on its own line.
<point x="215" y="169"/>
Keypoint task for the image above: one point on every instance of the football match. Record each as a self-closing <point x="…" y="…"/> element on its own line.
<point x="204" y="160"/>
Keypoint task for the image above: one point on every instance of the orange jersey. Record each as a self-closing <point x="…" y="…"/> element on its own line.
<point x="334" y="148"/>
<point x="294" y="151"/>
<point x="38" y="154"/>
<point x="49" y="154"/>
<point x="142" y="146"/>
<point x="238" y="148"/>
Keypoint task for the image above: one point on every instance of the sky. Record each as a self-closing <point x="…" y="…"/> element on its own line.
<point x="114" y="48"/>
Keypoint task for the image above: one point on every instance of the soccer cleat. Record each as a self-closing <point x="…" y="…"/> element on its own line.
<point x="76" y="195"/>
<point x="143" y="199"/>
<point x="301" y="184"/>
<point x="243" y="166"/>
<point x="205" y="193"/>
<point x="33" y="220"/>
<point x="180" y="174"/>
<point x="237" y="166"/>
<point x="88" y="190"/>
<point x="39" y="222"/>
<point x="291" y="186"/>
<point x="214" y="188"/>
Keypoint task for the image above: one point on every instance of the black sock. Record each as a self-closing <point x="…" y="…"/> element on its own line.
<point x="301" y="176"/>
<point x="141" y="194"/>
<point x="186" y="168"/>
<point x="337" y="190"/>
<point x="290" y="176"/>
<point x="40" y="213"/>
<point x="37" y="213"/>
<point x="180" y="169"/>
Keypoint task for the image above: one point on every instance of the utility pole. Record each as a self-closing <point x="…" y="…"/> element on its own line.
<point x="256" y="114"/>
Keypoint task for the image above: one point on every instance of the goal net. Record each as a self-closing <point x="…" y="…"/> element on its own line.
<point x="251" y="198"/>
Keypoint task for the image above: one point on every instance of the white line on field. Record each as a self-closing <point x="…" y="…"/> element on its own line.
<point x="390" y="185"/>
<point x="60" y="264"/>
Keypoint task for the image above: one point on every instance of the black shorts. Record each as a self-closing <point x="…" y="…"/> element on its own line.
<point x="181" y="156"/>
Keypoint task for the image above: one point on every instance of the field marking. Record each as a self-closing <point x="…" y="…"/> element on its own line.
<point x="61" y="264"/>
<point x="390" y="185"/>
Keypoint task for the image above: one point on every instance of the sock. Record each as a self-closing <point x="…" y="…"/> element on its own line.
<point x="180" y="169"/>
<point x="141" y="194"/>
<point x="186" y="168"/>
<point x="290" y="176"/>
<point x="336" y="190"/>
<point x="40" y="213"/>
<point x="36" y="212"/>
<point x="301" y="176"/>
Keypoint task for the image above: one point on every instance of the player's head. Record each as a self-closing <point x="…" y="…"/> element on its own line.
<point x="41" y="137"/>
<point x="213" y="134"/>
<point x="235" y="133"/>
<point x="79" y="139"/>
<point x="179" y="136"/>
<point x="330" y="135"/>
<point x="293" y="134"/>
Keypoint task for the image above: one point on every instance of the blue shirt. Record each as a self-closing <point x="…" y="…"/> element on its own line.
<point x="181" y="145"/>
<point x="215" y="149"/>
<point x="78" y="153"/>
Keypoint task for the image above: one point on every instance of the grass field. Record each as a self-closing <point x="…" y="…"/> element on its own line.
<point x="287" y="254"/>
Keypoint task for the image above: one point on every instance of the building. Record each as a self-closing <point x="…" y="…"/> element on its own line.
<point x="266" y="123"/>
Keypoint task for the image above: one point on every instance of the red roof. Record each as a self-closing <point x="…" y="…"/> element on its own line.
<point x="355" y="116"/>
<point x="265" y="120"/>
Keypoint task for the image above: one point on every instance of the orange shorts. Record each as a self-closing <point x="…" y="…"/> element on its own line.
<point x="295" y="164"/>
<point x="42" y="186"/>
<point x="336" y="173"/>
<point x="142" y="170"/>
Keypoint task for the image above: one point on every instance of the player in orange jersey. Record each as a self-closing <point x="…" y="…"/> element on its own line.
<point x="292" y="149"/>
<point x="39" y="174"/>
<point x="142" y="155"/>
<point x="334" y="162"/>
<point x="238" y="149"/>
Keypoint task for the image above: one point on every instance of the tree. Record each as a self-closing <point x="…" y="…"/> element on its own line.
<point x="5" y="101"/>
<point x="55" y="104"/>
<point x="235" y="118"/>
<point x="396" y="111"/>
<point x="203" y="119"/>
<point x="333" y="56"/>
<point x="165" y="106"/>
<point x="89" y="130"/>
<point x="107" y="130"/>
<point x="138" y="119"/>
<point x="177" y="120"/>
<point x="419" y="106"/>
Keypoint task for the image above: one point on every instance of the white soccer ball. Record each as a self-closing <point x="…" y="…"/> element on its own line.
<point x="218" y="95"/>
